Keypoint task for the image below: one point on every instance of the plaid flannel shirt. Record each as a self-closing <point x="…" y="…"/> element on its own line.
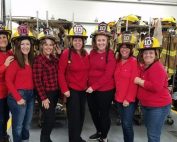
<point x="45" y="75"/>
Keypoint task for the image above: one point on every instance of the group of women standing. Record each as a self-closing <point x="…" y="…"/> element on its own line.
<point x="98" y="78"/>
<point x="20" y="75"/>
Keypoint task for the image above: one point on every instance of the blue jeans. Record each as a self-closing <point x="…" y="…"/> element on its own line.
<point x="154" y="119"/>
<point x="126" y="115"/>
<point x="4" y="116"/>
<point x="21" y="115"/>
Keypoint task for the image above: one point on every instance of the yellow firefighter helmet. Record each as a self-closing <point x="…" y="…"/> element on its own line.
<point x="149" y="43"/>
<point x="132" y="19"/>
<point x="5" y="30"/>
<point x="127" y="38"/>
<point x="47" y="33"/>
<point x="78" y="31"/>
<point x="23" y="32"/>
<point x="111" y="24"/>
<point x="168" y="21"/>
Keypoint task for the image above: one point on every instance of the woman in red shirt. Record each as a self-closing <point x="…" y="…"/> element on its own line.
<point x="101" y="81"/>
<point x="73" y="76"/>
<point x="45" y="76"/>
<point x="5" y="60"/>
<point x="153" y="92"/>
<point x="126" y="90"/>
<point x="20" y="84"/>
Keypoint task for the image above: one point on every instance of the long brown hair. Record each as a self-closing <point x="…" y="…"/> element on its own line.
<point x="94" y="46"/>
<point x="19" y="55"/>
<point x="42" y="42"/>
<point x="71" y="48"/>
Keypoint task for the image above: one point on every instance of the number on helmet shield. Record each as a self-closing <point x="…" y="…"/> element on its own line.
<point x="23" y="30"/>
<point x="102" y="28"/>
<point x="78" y="29"/>
<point x="126" y="38"/>
<point x="148" y="42"/>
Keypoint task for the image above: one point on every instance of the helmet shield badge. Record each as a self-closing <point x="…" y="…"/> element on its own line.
<point x="23" y="30"/>
<point x="78" y="30"/>
<point x="148" y="42"/>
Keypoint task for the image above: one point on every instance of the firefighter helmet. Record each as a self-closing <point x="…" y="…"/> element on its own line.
<point x="102" y="29"/>
<point x="78" y="31"/>
<point x="149" y="43"/>
<point x="4" y="30"/>
<point x="127" y="38"/>
<point x="23" y="32"/>
<point x="168" y="21"/>
<point x="132" y="19"/>
<point x="47" y="33"/>
<point x="112" y="24"/>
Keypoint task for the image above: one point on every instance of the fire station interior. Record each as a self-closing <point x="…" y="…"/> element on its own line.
<point x="60" y="15"/>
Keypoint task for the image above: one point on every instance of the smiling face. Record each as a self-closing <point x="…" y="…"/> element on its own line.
<point x="25" y="46"/>
<point x="3" y="41"/>
<point x="149" y="57"/>
<point x="47" y="47"/>
<point x="124" y="51"/>
<point x="101" y="43"/>
<point x="77" y="43"/>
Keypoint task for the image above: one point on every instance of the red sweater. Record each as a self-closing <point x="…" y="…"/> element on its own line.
<point x="18" y="78"/>
<point x="155" y="92"/>
<point x="75" y="74"/>
<point x="124" y="78"/>
<point x="101" y="74"/>
<point x="3" y="87"/>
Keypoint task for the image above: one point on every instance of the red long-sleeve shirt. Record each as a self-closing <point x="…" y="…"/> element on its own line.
<point x="155" y="92"/>
<point x="18" y="78"/>
<point x="75" y="74"/>
<point x="3" y="87"/>
<point x="101" y="73"/>
<point x="124" y="77"/>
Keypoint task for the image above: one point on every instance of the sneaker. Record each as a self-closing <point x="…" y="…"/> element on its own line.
<point x="82" y="140"/>
<point x="95" y="136"/>
<point x="103" y="140"/>
<point x="7" y="139"/>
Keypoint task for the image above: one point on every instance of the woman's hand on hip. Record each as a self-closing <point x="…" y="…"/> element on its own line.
<point x="125" y="103"/>
<point x="67" y="94"/>
<point x="21" y="102"/>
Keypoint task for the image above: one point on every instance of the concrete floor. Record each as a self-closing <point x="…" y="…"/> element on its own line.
<point x="59" y="134"/>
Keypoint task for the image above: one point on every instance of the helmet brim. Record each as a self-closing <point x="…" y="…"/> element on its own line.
<point x="101" y="33"/>
<point x="79" y="36"/>
<point x="47" y="37"/>
<point x="150" y="48"/>
<point x="120" y="44"/>
<point x="6" y="32"/>
<point x="23" y="37"/>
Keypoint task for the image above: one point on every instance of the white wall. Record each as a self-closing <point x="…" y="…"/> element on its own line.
<point x="87" y="11"/>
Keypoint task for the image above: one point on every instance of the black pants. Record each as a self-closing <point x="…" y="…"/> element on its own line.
<point x="48" y="116"/>
<point x="99" y="103"/>
<point x="4" y="116"/>
<point x="76" y="114"/>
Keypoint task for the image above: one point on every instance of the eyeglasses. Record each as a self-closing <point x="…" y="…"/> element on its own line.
<point x="149" y="52"/>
